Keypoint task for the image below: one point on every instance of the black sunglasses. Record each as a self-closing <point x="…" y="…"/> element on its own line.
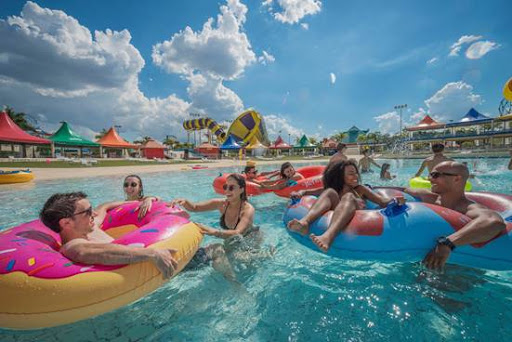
<point x="132" y="184"/>
<point x="436" y="174"/>
<point x="87" y="211"/>
<point x="230" y="187"/>
<point x="254" y="171"/>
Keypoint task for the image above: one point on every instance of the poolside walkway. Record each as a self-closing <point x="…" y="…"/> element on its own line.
<point x="66" y="173"/>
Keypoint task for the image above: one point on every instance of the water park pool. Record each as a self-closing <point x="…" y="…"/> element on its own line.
<point x="296" y="295"/>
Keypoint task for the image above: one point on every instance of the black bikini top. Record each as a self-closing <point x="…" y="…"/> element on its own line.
<point x="223" y="217"/>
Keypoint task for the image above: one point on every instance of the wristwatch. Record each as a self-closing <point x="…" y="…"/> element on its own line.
<point x="443" y="240"/>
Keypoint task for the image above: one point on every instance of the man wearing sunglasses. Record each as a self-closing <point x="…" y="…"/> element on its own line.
<point x="72" y="216"/>
<point x="448" y="180"/>
<point x="432" y="161"/>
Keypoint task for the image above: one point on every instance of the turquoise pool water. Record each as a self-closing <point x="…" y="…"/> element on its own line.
<point x="298" y="294"/>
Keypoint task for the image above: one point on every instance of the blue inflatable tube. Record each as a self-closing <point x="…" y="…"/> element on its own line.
<point x="406" y="233"/>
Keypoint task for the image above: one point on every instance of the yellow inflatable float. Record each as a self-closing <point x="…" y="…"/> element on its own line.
<point x="40" y="287"/>
<point x="15" y="176"/>
<point x="424" y="183"/>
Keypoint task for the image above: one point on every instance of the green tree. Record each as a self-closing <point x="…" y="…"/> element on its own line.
<point x="19" y="119"/>
<point x="313" y="141"/>
<point x="362" y="138"/>
<point x="339" y="136"/>
<point x="171" y="141"/>
<point x="101" y="134"/>
<point x="143" y="140"/>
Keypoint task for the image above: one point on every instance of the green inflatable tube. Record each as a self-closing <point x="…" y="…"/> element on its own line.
<point x="424" y="183"/>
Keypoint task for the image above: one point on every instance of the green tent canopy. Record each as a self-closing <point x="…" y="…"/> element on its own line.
<point x="304" y="142"/>
<point x="65" y="136"/>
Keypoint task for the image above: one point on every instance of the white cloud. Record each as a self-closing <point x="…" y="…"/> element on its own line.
<point x="222" y="50"/>
<point x="278" y="125"/>
<point x="292" y="11"/>
<point x="305" y="26"/>
<point x="332" y="77"/>
<point x="211" y="97"/>
<point x="453" y="101"/>
<point x="455" y="48"/>
<point x="432" y="60"/>
<point x="55" y="70"/>
<point x="266" y="58"/>
<point x="388" y="122"/>
<point x="479" y="49"/>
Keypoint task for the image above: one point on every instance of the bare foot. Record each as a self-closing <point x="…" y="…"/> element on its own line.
<point x="321" y="242"/>
<point x="297" y="226"/>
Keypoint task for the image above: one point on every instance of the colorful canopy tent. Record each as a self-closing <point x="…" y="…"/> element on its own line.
<point x="279" y="144"/>
<point x="353" y="133"/>
<point x="13" y="134"/>
<point x="471" y="117"/>
<point x="230" y="144"/>
<point x="208" y="150"/>
<point x="66" y="136"/>
<point x="304" y="142"/>
<point x="329" y="144"/>
<point x="152" y="149"/>
<point x="10" y="132"/>
<point x="112" y="140"/>
<point x="426" y="123"/>
<point x="256" y="147"/>
<point x="255" y="144"/>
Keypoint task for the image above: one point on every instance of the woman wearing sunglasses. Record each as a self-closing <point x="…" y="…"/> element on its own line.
<point x="236" y="220"/>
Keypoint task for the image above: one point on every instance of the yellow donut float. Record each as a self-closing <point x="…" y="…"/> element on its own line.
<point x="15" y="176"/>
<point x="40" y="287"/>
<point x="424" y="183"/>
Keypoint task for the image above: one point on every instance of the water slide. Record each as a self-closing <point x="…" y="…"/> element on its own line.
<point x="247" y="125"/>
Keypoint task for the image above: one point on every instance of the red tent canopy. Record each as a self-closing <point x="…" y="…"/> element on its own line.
<point x="279" y="144"/>
<point x="10" y="132"/>
<point x="112" y="139"/>
<point x="153" y="149"/>
<point x="426" y="123"/>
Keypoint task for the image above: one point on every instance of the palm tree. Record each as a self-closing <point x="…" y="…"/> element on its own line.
<point x="313" y="141"/>
<point x="101" y="134"/>
<point x="143" y="140"/>
<point x="339" y="136"/>
<point x="362" y="138"/>
<point x="19" y="119"/>
<point x="170" y="140"/>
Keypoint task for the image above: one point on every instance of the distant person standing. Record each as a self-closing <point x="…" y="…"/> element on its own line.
<point x="366" y="161"/>
<point x="340" y="154"/>
<point x="432" y="161"/>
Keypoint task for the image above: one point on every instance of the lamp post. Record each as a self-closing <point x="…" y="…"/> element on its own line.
<point x="196" y="115"/>
<point x="289" y="137"/>
<point x="399" y="108"/>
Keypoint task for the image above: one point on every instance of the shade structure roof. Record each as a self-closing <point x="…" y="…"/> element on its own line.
<point x="329" y="143"/>
<point x="426" y="123"/>
<point x="112" y="139"/>
<point x="280" y="144"/>
<point x="230" y="144"/>
<point x="66" y="136"/>
<point x="152" y="143"/>
<point x="471" y="117"/>
<point x="255" y="143"/>
<point x="11" y="132"/>
<point x="304" y="142"/>
<point x="207" y="147"/>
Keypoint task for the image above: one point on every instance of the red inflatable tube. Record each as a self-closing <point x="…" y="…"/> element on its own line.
<point x="312" y="180"/>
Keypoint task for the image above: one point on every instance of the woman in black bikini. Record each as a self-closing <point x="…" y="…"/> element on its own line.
<point x="343" y="194"/>
<point x="237" y="216"/>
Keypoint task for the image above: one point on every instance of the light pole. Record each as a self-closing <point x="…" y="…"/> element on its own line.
<point x="196" y="115"/>
<point x="400" y="107"/>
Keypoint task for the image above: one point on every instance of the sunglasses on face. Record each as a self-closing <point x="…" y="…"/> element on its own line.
<point x="254" y="171"/>
<point x="133" y="184"/>
<point x="228" y="187"/>
<point x="87" y="212"/>
<point x="436" y="174"/>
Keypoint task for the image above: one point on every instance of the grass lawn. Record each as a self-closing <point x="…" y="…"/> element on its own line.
<point x="101" y="163"/>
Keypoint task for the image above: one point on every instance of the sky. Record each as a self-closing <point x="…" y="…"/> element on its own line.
<point x="314" y="67"/>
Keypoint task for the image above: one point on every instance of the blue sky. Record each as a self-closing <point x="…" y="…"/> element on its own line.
<point x="309" y="66"/>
